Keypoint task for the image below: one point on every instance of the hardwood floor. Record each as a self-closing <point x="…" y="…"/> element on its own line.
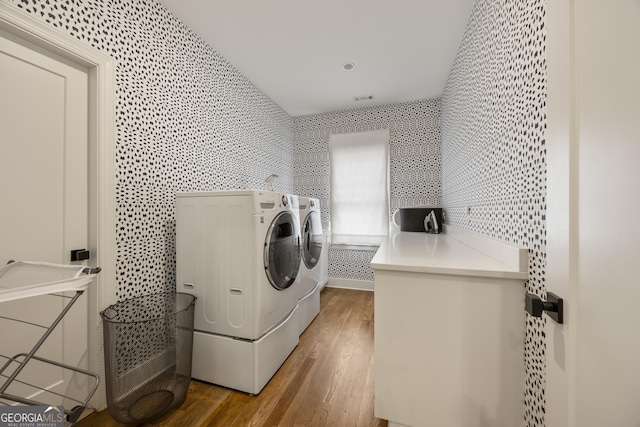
<point x="326" y="381"/>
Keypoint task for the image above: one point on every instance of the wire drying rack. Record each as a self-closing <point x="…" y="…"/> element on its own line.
<point x="25" y="279"/>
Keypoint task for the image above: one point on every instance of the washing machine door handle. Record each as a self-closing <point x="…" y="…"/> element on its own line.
<point x="312" y="240"/>
<point x="282" y="251"/>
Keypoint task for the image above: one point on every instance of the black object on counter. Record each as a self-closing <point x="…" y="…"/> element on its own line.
<point x="413" y="219"/>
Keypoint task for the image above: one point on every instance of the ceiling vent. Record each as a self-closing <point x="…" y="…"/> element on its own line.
<point x="363" y="98"/>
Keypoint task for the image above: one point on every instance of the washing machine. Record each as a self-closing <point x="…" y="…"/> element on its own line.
<point x="310" y="274"/>
<point x="238" y="252"/>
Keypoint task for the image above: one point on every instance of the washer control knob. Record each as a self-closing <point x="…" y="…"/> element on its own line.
<point x="285" y="201"/>
<point x="312" y="203"/>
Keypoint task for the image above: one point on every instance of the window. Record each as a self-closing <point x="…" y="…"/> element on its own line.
<point x="359" y="187"/>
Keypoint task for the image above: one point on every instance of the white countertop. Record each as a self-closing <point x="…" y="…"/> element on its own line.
<point x="439" y="254"/>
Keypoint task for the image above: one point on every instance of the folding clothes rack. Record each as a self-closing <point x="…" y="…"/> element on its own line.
<point x="24" y="279"/>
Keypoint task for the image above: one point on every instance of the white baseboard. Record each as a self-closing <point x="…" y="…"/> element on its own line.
<point x="359" y="285"/>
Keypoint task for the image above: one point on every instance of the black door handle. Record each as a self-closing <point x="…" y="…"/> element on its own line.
<point x="553" y="306"/>
<point x="80" y="254"/>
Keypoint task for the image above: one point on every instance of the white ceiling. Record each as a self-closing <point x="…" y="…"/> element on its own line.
<point x="294" y="50"/>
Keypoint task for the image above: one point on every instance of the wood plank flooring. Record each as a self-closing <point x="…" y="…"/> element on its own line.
<point x="326" y="381"/>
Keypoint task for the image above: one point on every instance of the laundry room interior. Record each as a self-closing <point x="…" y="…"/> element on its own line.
<point x="460" y="317"/>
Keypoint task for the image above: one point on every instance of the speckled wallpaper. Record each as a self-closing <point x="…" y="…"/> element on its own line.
<point x="186" y="120"/>
<point x="493" y="149"/>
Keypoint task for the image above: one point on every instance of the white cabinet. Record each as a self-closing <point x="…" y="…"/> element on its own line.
<point x="449" y="332"/>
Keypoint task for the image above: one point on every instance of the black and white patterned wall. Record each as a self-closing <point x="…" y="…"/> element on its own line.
<point x="493" y="149"/>
<point x="186" y="120"/>
<point x="414" y="131"/>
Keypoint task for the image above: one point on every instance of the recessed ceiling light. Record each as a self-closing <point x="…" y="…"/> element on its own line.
<point x="348" y="66"/>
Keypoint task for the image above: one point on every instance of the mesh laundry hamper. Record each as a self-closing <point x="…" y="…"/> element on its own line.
<point x="148" y="343"/>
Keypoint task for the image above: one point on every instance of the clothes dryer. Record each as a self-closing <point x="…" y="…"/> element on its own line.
<point x="238" y="252"/>
<point x="310" y="267"/>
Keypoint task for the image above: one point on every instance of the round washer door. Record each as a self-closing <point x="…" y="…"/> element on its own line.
<point x="311" y="239"/>
<point x="282" y="251"/>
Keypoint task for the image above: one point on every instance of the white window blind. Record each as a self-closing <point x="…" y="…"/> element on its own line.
<point x="359" y="187"/>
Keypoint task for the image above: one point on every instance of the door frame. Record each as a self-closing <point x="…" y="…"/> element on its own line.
<point x="562" y="211"/>
<point x="101" y="136"/>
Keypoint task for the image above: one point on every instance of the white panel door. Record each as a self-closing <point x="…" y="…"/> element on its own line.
<point x="43" y="194"/>
<point x="593" y="234"/>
